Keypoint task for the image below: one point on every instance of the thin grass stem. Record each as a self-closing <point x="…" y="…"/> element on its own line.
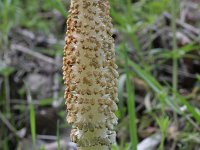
<point x="175" y="50"/>
<point x="131" y="106"/>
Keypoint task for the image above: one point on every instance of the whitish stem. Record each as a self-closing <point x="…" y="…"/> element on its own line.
<point x="90" y="75"/>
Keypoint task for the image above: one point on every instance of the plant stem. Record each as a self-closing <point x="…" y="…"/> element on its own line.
<point x="131" y="107"/>
<point x="161" y="147"/>
<point x="175" y="61"/>
<point x="175" y="51"/>
<point x="31" y="116"/>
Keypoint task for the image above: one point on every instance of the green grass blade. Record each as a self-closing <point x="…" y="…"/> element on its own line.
<point x="153" y="83"/>
<point x="145" y="76"/>
<point x="131" y="107"/>
<point x="189" y="107"/>
<point x="161" y="92"/>
<point x="32" y="123"/>
<point x="32" y="116"/>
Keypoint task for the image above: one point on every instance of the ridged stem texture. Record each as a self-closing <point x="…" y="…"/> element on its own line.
<point x="90" y="75"/>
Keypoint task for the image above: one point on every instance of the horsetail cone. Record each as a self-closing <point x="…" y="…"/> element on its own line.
<point x="90" y="75"/>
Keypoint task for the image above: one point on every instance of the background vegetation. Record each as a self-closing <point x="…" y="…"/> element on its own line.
<point x="157" y="49"/>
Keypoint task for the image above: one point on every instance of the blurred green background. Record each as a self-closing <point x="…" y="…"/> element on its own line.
<point x="158" y="54"/>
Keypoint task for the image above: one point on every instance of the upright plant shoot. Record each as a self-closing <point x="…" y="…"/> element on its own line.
<point x="90" y="75"/>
